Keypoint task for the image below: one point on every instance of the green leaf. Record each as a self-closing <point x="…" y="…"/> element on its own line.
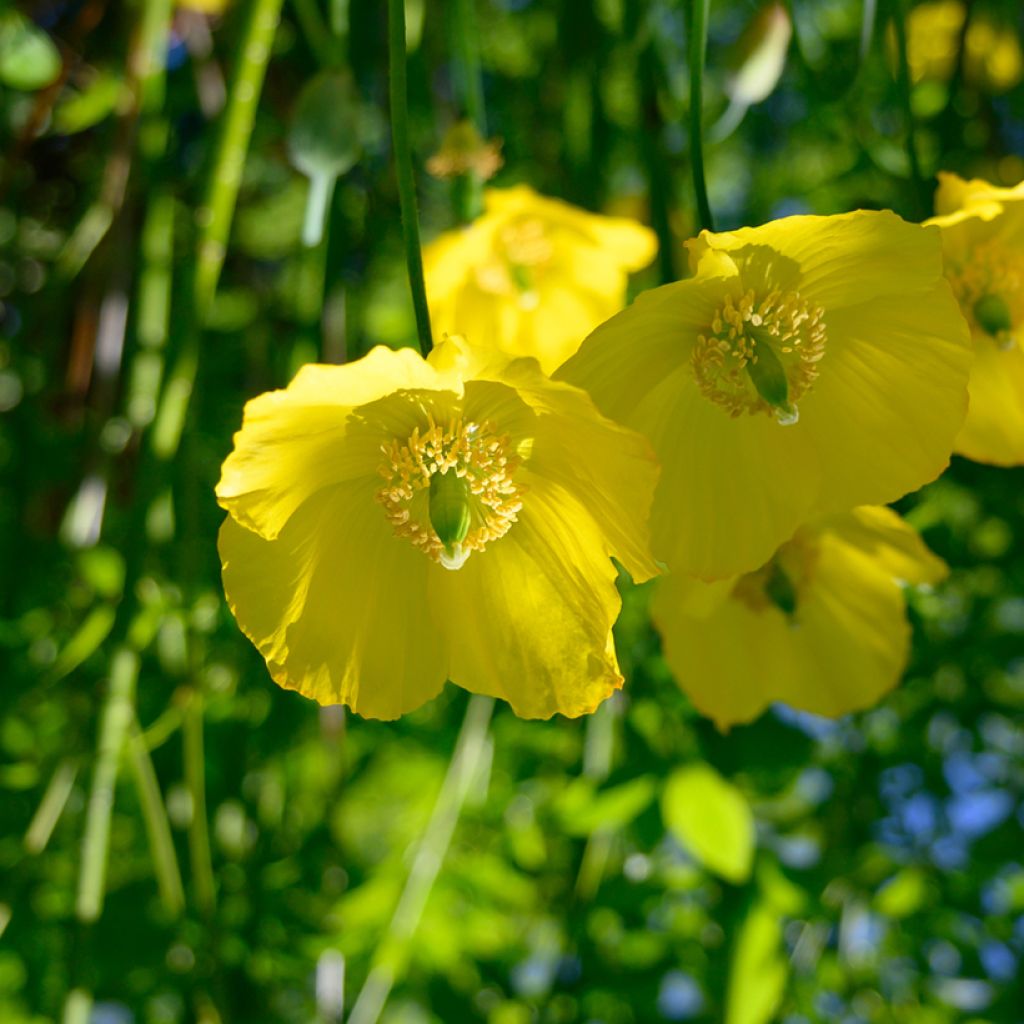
<point x="29" y="60"/>
<point x="608" y="809"/>
<point x="79" y="110"/>
<point x="712" y="819"/>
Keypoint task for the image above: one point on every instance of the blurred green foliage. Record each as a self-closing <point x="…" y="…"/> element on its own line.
<point x="255" y="837"/>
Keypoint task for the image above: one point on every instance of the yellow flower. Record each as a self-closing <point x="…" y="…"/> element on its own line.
<point x="983" y="241"/>
<point x="398" y="522"/>
<point x="822" y="626"/>
<point x="810" y="365"/>
<point x="533" y="276"/>
<point x="992" y="54"/>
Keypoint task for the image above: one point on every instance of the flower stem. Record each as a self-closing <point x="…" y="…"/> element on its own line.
<point x="470" y="748"/>
<point x="403" y="169"/>
<point x="698" y="46"/>
<point x="921" y="197"/>
<point x="117" y="717"/>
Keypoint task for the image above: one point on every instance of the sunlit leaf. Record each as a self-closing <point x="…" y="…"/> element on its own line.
<point x="712" y="819"/>
<point x="29" y="60"/>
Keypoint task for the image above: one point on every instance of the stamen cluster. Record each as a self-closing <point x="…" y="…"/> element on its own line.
<point x="471" y="451"/>
<point x="793" y="328"/>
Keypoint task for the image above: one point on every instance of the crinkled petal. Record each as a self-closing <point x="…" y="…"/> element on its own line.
<point x="338" y="605"/>
<point x="890" y="399"/>
<point x="610" y="470"/>
<point x="295" y="442"/>
<point x="530" y="617"/>
<point x="836" y="261"/>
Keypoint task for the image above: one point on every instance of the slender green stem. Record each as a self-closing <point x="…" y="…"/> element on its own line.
<point x="51" y="807"/>
<point x="468" y="73"/>
<point x="195" y="781"/>
<point x="390" y="955"/>
<point x="158" y="827"/>
<point x="318" y="37"/>
<point x="117" y="715"/>
<point x="403" y="169"/>
<point x="215" y="214"/>
<point x="698" y="47"/>
<point x="921" y="197"/>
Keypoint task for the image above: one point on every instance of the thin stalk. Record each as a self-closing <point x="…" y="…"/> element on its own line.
<point x="316" y="33"/>
<point x="921" y="197"/>
<point x="117" y="715"/>
<point x="51" y="807"/>
<point x="698" y="47"/>
<point x="158" y="827"/>
<point x="469" y="75"/>
<point x="216" y="213"/>
<point x="195" y="781"/>
<point x="403" y="169"/>
<point x="390" y="955"/>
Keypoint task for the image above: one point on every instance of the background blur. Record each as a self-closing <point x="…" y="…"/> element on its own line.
<point x="258" y="846"/>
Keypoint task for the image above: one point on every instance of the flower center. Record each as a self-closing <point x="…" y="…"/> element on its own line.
<point x="781" y="581"/>
<point x="989" y="286"/>
<point x="761" y="354"/>
<point x="522" y="251"/>
<point x="450" y="489"/>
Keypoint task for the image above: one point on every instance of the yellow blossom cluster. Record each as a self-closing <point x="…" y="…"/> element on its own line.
<point x="405" y="520"/>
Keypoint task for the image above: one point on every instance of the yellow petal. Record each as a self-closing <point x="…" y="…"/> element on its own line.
<point x="731" y="490"/>
<point x="609" y="470"/>
<point x="293" y="442"/>
<point x="890" y="398"/>
<point x="994" y="429"/>
<point x="530" y="618"/>
<point x="836" y="261"/>
<point x="337" y="604"/>
<point x="893" y="544"/>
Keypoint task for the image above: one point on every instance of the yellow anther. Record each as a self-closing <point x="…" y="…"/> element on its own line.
<point x="761" y="354"/>
<point x="487" y="495"/>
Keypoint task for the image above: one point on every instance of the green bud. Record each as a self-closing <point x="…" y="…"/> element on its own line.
<point x="993" y="315"/>
<point x="449" y="509"/>
<point x="324" y="139"/>
<point x="769" y="375"/>
<point x="779" y="589"/>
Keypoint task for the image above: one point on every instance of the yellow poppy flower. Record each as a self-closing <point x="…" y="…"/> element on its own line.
<point x="821" y="626"/>
<point x="983" y="242"/>
<point x="397" y="522"/>
<point x="810" y="365"/>
<point x="533" y="276"/>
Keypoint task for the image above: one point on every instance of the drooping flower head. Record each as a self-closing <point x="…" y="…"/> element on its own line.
<point x="821" y="626"/>
<point x="983" y="242"/>
<point x="809" y="365"/>
<point x="533" y="276"/>
<point x="397" y="522"/>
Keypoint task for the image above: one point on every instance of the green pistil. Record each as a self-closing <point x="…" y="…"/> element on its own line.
<point x="768" y="376"/>
<point x="449" y="509"/>
<point x="993" y="315"/>
<point x="779" y="589"/>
